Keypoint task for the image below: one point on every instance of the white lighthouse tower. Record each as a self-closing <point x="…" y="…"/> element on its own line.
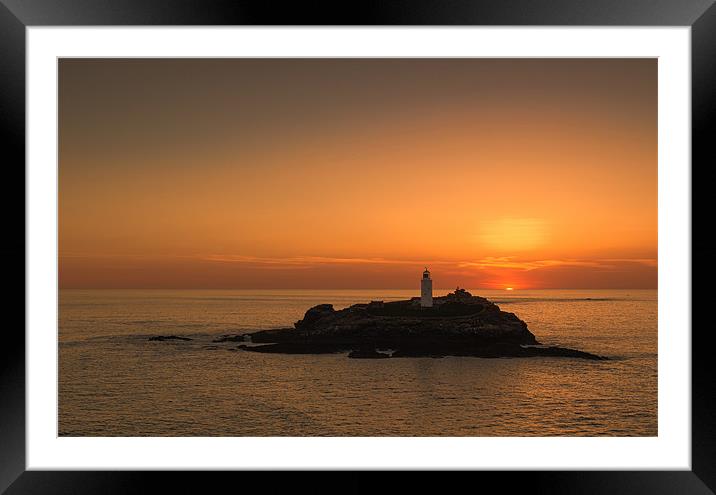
<point x="426" y="290"/>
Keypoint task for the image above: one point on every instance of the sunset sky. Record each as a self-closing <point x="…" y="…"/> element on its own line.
<point x="357" y="173"/>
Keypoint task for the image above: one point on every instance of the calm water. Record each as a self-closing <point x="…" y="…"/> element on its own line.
<point x="113" y="382"/>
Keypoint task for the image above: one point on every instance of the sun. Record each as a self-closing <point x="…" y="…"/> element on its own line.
<point x="509" y="288"/>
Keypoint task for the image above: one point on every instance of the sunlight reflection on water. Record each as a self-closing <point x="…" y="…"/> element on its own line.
<point x="114" y="382"/>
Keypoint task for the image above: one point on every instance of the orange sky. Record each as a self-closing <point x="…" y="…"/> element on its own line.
<point x="355" y="173"/>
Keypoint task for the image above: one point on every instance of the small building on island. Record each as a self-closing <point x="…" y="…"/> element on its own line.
<point x="376" y="305"/>
<point x="460" y="295"/>
<point x="426" y="290"/>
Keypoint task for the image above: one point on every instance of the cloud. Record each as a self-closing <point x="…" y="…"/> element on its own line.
<point x="456" y="266"/>
<point x="298" y="261"/>
<point x="505" y="262"/>
<point x="641" y="261"/>
<point x="509" y="262"/>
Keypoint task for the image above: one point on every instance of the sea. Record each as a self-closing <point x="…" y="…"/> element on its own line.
<point x="113" y="381"/>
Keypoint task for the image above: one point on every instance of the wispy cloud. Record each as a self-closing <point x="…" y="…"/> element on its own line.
<point x="508" y="262"/>
<point x="305" y="262"/>
<point x="640" y="261"/>
<point x="315" y="260"/>
<point x="505" y="262"/>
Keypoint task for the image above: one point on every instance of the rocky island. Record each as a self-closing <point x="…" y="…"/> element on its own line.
<point x="458" y="324"/>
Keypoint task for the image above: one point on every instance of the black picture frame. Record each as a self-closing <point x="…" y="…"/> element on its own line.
<point x="16" y="15"/>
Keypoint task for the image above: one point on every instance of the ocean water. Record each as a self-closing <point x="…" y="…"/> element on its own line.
<point x="114" y="382"/>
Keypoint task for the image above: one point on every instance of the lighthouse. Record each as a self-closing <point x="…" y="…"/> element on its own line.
<point x="426" y="290"/>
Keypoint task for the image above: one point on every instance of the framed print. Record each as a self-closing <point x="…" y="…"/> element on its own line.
<point x="420" y="237"/>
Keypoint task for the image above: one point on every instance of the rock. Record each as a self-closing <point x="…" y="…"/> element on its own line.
<point x="315" y="314"/>
<point x="453" y="318"/>
<point x="458" y="324"/>
<point x="162" y="338"/>
<point x="564" y="352"/>
<point x="295" y="348"/>
<point x="432" y="351"/>
<point x="273" y="335"/>
<point x="367" y="354"/>
<point x="230" y="338"/>
<point x="502" y="350"/>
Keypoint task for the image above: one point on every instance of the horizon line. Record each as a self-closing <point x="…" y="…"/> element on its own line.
<point x="368" y="288"/>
